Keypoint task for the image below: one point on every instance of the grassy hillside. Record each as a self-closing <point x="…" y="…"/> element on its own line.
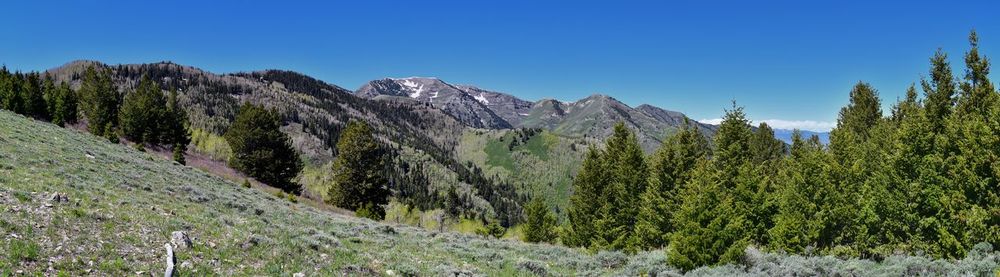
<point x="541" y="163"/>
<point x="123" y="205"/>
<point x="115" y="208"/>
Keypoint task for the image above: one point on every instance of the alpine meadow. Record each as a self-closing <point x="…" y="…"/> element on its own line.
<point x="807" y="145"/>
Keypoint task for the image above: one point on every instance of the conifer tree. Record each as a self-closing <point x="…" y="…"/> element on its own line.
<point x="50" y="96"/>
<point x="939" y="92"/>
<point x="357" y="171"/>
<point x="723" y="210"/>
<point x="978" y="93"/>
<point x="586" y="201"/>
<point x="99" y="101"/>
<point x="540" y="223"/>
<point x="808" y="198"/>
<point x="670" y="171"/>
<point x="31" y="96"/>
<point x="863" y="112"/>
<point x="9" y="99"/>
<point x="261" y="150"/>
<point x="628" y="175"/>
<point x="174" y="127"/>
<point x="65" y="105"/>
<point x="764" y="146"/>
<point x="142" y="112"/>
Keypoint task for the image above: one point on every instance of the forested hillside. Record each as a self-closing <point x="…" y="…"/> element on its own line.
<point x="922" y="180"/>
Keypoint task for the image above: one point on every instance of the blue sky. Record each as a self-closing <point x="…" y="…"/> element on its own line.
<point x="783" y="60"/>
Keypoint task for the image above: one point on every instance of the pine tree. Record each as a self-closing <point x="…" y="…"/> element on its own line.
<point x="862" y="113"/>
<point x="31" y="96"/>
<point x="723" y="209"/>
<point x="357" y="171"/>
<point x="939" y="92"/>
<point x="808" y="199"/>
<point x="261" y="150"/>
<point x="764" y="146"/>
<point x="50" y="95"/>
<point x="65" y="108"/>
<point x="9" y="99"/>
<point x="628" y="175"/>
<point x="978" y="93"/>
<point x="99" y="101"/>
<point x="670" y="171"/>
<point x="540" y="223"/>
<point x="586" y="200"/>
<point x="142" y="112"/>
<point x="174" y="127"/>
<point x="974" y="131"/>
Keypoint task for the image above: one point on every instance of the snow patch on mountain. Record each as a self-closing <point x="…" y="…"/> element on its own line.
<point x="415" y="88"/>
<point x="482" y="99"/>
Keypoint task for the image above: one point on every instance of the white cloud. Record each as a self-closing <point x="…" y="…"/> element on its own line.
<point x="809" y="125"/>
<point x="714" y="121"/>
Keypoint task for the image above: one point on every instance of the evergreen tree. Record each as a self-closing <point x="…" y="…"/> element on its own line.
<point x="586" y="200"/>
<point x="453" y="202"/>
<point x="142" y="112"/>
<point x="974" y="130"/>
<point x="540" y="223"/>
<point x="939" y="92"/>
<point x="261" y="150"/>
<point x="174" y="127"/>
<point x="357" y="171"/>
<point x="64" y="110"/>
<point x="723" y="209"/>
<point x="809" y="200"/>
<point x="670" y="171"/>
<point x="99" y="101"/>
<point x="31" y="96"/>
<point x="50" y="96"/>
<point x="628" y="175"/>
<point x="9" y="95"/>
<point x="978" y="93"/>
<point x="764" y="146"/>
<point x="861" y="114"/>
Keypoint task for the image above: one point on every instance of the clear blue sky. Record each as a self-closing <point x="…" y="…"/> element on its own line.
<point x="789" y="60"/>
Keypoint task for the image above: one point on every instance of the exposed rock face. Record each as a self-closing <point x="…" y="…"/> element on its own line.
<point x="446" y="97"/>
<point x="593" y="117"/>
<point x="508" y="107"/>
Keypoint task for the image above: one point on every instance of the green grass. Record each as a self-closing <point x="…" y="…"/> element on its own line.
<point x="542" y="166"/>
<point x="123" y="205"/>
<point x="498" y="154"/>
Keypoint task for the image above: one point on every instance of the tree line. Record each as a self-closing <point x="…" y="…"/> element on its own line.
<point x="922" y="179"/>
<point x="38" y="96"/>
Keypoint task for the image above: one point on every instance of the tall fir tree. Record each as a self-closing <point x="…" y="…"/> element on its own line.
<point x="765" y="147"/>
<point x="586" y="200"/>
<point x="261" y="150"/>
<point x="142" y="112"/>
<point x="31" y="96"/>
<point x="627" y="178"/>
<point x="939" y="92"/>
<point x="99" y="101"/>
<point x="65" y="108"/>
<point x="174" y="127"/>
<point x="670" y="171"/>
<point x="358" y="181"/>
<point x="863" y="112"/>
<point x="540" y="223"/>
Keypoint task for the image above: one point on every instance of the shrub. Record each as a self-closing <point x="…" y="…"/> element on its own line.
<point x="492" y="230"/>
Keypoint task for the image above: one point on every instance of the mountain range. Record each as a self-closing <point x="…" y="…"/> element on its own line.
<point x="592" y="117"/>
<point x="492" y="147"/>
